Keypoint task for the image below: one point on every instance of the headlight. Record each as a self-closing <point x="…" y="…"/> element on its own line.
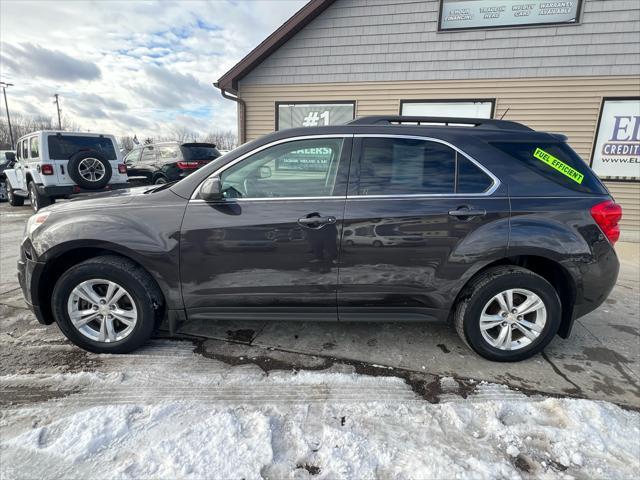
<point x="35" y="221"/>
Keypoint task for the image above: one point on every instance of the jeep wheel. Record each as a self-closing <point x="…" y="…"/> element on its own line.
<point x="160" y="180"/>
<point x="106" y="305"/>
<point x="89" y="170"/>
<point x="14" y="200"/>
<point x="37" y="200"/>
<point x="508" y="314"/>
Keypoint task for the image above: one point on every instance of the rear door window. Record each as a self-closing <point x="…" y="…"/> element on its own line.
<point x="25" y="149"/>
<point x="555" y="161"/>
<point x="400" y="166"/>
<point x="169" y="152"/>
<point x="62" y="147"/>
<point x="35" y="151"/>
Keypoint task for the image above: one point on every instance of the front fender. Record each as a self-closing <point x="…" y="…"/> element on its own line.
<point x="147" y="234"/>
<point x="12" y="177"/>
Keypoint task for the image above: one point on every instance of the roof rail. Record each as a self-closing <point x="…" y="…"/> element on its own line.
<point x="446" y="121"/>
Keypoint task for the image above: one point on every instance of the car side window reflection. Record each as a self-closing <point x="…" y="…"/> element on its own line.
<point x="302" y="168"/>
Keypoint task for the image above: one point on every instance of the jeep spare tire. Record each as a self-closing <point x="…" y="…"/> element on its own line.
<point x="89" y="170"/>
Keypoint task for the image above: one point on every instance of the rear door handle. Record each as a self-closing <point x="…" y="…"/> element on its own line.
<point x="467" y="212"/>
<point x="316" y="222"/>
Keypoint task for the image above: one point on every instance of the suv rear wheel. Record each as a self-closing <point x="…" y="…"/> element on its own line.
<point x="508" y="313"/>
<point x="37" y="200"/>
<point x="106" y="305"/>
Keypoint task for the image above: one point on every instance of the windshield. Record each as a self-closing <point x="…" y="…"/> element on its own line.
<point x="199" y="152"/>
<point x="62" y="147"/>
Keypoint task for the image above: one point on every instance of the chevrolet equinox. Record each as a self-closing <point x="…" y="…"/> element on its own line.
<point x="501" y="230"/>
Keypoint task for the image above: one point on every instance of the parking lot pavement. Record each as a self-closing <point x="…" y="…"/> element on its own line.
<point x="601" y="360"/>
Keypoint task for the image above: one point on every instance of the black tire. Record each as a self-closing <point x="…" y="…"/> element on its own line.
<point x="377" y="243"/>
<point x="3" y="190"/>
<point x="76" y="163"/>
<point x="134" y="279"/>
<point x="483" y="288"/>
<point x="14" y="200"/>
<point x="37" y="200"/>
<point x="160" y="180"/>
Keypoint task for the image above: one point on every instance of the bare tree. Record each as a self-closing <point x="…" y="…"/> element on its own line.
<point x="224" y="139"/>
<point x="23" y="125"/>
<point x="183" y="134"/>
<point x="126" y="143"/>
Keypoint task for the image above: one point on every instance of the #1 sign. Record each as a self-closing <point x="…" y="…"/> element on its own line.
<point x="616" y="152"/>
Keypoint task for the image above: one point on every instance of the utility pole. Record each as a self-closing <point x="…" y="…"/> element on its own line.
<point x="58" y="109"/>
<point x="4" y="86"/>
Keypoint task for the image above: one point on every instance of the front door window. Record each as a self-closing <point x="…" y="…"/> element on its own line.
<point x="301" y="168"/>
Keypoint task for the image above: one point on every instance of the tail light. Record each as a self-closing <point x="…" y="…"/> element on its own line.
<point x="186" y="165"/>
<point x="46" y="169"/>
<point x="122" y="168"/>
<point x="607" y="214"/>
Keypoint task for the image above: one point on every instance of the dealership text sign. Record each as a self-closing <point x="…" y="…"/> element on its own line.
<point x="617" y="149"/>
<point x="456" y="14"/>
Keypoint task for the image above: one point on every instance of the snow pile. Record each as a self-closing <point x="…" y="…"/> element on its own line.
<point x="304" y="434"/>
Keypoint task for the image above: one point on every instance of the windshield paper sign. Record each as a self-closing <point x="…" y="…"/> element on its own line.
<point x="617" y="148"/>
<point x="495" y="13"/>
<point x="558" y="165"/>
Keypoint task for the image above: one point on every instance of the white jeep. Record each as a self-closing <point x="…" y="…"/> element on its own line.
<point x="52" y="164"/>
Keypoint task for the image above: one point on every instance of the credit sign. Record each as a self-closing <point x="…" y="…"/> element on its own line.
<point x="616" y="151"/>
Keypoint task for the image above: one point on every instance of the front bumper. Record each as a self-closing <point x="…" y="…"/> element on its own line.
<point x="68" y="190"/>
<point x="29" y="272"/>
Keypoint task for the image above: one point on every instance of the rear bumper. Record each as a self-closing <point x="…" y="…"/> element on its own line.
<point x="68" y="190"/>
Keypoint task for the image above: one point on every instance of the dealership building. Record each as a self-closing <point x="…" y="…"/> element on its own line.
<point x="562" y="66"/>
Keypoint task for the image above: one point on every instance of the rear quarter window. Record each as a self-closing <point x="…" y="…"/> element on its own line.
<point x="62" y="147"/>
<point x="555" y="161"/>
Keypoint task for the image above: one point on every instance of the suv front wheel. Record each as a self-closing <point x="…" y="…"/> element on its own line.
<point x="508" y="314"/>
<point x="106" y="305"/>
<point x="14" y="200"/>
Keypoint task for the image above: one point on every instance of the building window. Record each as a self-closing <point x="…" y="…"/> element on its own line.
<point x="466" y="14"/>
<point x="313" y="114"/>
<point x="616" y="149"/>
<point x="448" y="108"/>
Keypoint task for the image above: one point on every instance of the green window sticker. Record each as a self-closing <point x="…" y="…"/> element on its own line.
<point x="558" y="165"/>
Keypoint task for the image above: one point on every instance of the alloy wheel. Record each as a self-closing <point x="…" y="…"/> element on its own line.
<point x="91" y="169"/>
<point x="513" y="319"/>
<point x="102" y="310"/>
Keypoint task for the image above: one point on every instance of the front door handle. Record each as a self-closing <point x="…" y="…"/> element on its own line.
<point x="465" y="212"/>
<point x="316" y="222"/>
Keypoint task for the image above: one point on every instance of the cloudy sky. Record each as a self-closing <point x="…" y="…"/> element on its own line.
<point x="131" y="67"/>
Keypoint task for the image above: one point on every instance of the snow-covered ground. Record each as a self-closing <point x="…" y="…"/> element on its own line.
<point x="167" y="412"/>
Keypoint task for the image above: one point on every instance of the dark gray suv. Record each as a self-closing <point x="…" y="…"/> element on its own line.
<point x="497" y="228"/>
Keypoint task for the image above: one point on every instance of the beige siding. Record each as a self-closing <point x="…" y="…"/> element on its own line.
<point x="562" y="104"/>
<point x="569" y="105"/>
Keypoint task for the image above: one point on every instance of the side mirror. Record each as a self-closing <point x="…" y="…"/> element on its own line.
<point x="264" y="172"/>
<point x="211" y="189"/>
